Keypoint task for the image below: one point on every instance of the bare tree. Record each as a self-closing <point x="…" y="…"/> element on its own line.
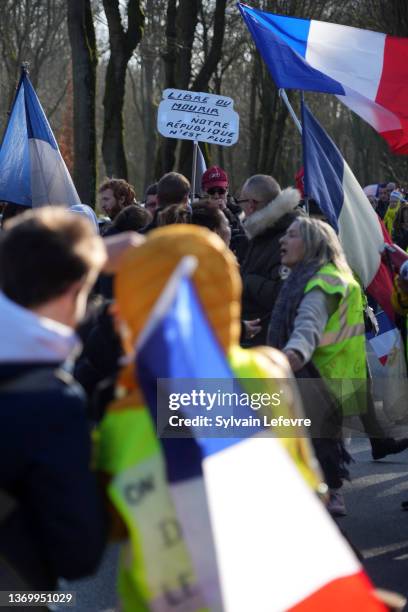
<point x="123" y="39"/>
<point x="206" y="72"/>
<point x="34" y="31"/>
<point x="181" y="31"/>
<point x="84" y="62"/>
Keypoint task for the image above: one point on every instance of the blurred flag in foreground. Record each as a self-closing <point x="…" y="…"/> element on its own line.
<point x="32" y="170"/>
<point x="366" y="70"/>
<point x="331" y="183"/>
<point x="291" y="554"/>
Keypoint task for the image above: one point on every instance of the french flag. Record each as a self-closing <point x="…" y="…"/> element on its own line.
<point x="291" y="554"/>
<point x="330" y="182"/>
<point x="32" y="170"/>
<point x="367" y="71"/>
<point x="387" y="341"/>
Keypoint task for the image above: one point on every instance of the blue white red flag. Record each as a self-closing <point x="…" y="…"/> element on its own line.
<point x="387" y="341"/>
<point x="368" y="71"/>
<point x="32" y="170"/>
<point x="330" y="182"/>
<point x="255" y="494"/>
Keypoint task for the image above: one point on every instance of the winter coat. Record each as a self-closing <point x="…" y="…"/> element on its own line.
<point x="55" y="523"/>
<point x="261" y="267"/>
<point x="98" y="364"/>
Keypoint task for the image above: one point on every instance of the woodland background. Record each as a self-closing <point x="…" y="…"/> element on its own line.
<point x="99" y="67"/>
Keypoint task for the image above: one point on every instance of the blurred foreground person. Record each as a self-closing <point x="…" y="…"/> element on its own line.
<point x="52" y="523"/>
<point x="155" y="485"/>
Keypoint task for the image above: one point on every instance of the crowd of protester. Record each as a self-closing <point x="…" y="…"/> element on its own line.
<point x="68" y="326"/>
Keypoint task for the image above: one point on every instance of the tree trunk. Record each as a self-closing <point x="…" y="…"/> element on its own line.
<point x="202" y="80"/>
<point x="122" y="44"/>
<point x="84" y="62"/>
<point x="149" y="111"/>
<point x="167" y="150"/>
<point x="113" y="150"/>
<point x="149" y="116"/>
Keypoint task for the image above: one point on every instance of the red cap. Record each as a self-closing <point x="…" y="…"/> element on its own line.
<point x="214" y="177"/>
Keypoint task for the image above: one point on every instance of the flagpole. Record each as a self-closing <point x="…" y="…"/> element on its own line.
<point x="283" y="95"/>
<point x="23" y="70"/>
<point x="194" y="170"/>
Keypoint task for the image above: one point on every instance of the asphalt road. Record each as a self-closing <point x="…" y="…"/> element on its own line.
<point x="375" y="524"/>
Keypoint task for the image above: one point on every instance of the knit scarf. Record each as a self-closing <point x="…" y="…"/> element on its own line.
<point x="286" y="306"/>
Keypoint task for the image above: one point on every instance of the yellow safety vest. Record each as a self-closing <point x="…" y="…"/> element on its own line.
<point x="341" y="354"/>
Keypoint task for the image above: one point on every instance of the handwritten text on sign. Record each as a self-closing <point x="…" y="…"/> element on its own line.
<point x="190" y="115"/>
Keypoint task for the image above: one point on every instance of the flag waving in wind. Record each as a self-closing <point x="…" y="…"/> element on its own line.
<point x="368" y="71"/>
<point x="32" y="170"/>
<point x="331" y="183"/>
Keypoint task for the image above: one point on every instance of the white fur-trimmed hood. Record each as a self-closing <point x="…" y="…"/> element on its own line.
<point x="286" y="202"/>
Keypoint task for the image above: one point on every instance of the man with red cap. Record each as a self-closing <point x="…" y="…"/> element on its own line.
<point x="214" y="184"/>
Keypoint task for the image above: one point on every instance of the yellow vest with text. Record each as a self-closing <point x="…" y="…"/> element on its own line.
<point x="341" y="354"/>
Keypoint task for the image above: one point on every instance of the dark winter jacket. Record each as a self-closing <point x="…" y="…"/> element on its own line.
<point x="261" y="267"/>
<point x="99" y="361"/>
<point x="239" y="239"/>
<point x="57" y="527"/>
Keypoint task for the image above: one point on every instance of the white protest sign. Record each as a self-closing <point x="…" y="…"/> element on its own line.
<point x="191" y="115"/>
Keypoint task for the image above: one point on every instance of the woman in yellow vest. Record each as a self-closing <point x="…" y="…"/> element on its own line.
<point x="318" y="323"/>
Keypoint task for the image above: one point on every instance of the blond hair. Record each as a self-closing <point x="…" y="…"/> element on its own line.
<point x="321" y="244"/>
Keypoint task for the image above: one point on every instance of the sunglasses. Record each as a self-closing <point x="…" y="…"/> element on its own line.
<point x="214" y="190"/>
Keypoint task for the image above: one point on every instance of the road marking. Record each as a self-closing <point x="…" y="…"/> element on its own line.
<point x="383" y="550"/>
